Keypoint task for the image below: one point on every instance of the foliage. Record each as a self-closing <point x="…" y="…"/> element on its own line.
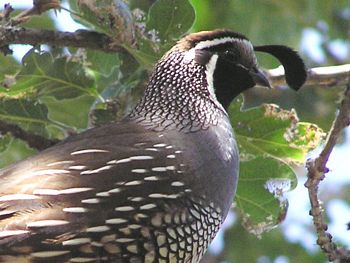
<point x="270" y="139"/>
<point x="43" y="92"/>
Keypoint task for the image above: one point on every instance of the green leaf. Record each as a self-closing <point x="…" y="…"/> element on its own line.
<point x="269" y="139"/>
<point x="44" y="75"/>
<point x="15" y="150"/>
<point x="29" y="115"/>
<point x="167" y="21"/>
<point x="8" y="65"/>
<point x="44" y="21"/>
<point x="262" y="183"/>
<point x="112" y="17"/>
<point x="102" y="62"/>
<point x="146" y="56"/>
<point x="65" y="111"/>
<point x="170" y="19"/>
<point x="272" y="131"/>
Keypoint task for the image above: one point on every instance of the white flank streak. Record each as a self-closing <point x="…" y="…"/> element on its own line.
<point x="152" y="149"/>
<point x="48" y="254"/>
<point x="47" y="223"/>
<point x="124" y="240"/>
<point x="139" y="171"/>
<point x="159" y="145"/>
<point x="16" y="197"/>
<point x="159" y="169"/>
<point x="126" y="160"/>
<point x="151" y="178"/>
<point x="171" y="156"/>
<point x="76" y="241"/>
<point x="98" y="229"/>
<point x="89" y="151"/>
<point x="108" y="238"/>
<point x="75" y="190"/>
<point x="48" y="172"/>
<point x="105" y="194"/>
<point x="61" y="192"/>
<point x="133" y="183"/>
<point x="60" y="162"/>
<point x="131" y="158"/>
<point x="171" y="168"/>
<point x="173" y="196"/>
<point x="82" y="260"/>
<point x="136" y="199"/>
<point x="8" y="233"/>
<point x="157" y="195"/>
<point x="96" y="244"/>
<point x="115" y="190"/>
<point x="116" y="221"/>
<point x="177" y="183"/>
<point x="141" y="157"/>
<point x="124" y="208"/>
<point x="46" y="192"/>
<point x="75" y="210"/>
<point x="103" y="168"/>
<point x="77" y="167"/>
<point x="148" y="206"/>
<point x="91" y="201"/>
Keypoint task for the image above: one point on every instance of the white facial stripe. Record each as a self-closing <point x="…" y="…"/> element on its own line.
<point x="218" y="41"/>
<point x="211" y="65"/>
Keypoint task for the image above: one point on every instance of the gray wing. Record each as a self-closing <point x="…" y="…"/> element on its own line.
<point x="98" y="194"/>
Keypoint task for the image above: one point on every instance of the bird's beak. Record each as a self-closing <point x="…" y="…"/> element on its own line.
<point x="260" y="78"/>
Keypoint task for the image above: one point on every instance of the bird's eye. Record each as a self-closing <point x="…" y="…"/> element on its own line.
<point x="230" y="55"/>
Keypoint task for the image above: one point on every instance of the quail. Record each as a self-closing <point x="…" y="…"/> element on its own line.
<point x="154" y="187"/>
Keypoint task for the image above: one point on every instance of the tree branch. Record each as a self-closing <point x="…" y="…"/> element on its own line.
<point x="35" y="141"/>
<point x="316" y="173"/>
<point x="79" y="39"/>
<point x="321" y="76"/>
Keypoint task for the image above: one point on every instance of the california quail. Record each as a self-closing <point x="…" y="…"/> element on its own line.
<point x="154" y="187"/>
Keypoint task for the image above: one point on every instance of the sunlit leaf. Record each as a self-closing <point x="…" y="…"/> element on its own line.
<point x="170" y="18"/>
<point x="28" y="114"/>
<point x="272" y="131"/>
<point x="44" y="75"/>
<point x="112" y="17"/>
<point x="65" y="111"/>
<point x="270" y="139"/>
<point x="15" y="150"/>
<point x="262" y="183"/>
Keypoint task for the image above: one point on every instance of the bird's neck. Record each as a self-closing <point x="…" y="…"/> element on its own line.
<point x="177" y="97"/>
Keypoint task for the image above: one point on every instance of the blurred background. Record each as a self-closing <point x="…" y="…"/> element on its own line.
<point x="319" y="30"/>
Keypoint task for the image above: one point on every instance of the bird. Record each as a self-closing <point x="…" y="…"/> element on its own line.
<point x="153" y="187"/>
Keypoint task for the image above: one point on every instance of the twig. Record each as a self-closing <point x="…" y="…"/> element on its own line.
<point x="78" y="39"/>
<point x="39" y="7"/>
<point x="6" y="13"/>
<point x="34" y="141"/>
<point x="316" y="173"/>
<point x="321" y="76"/>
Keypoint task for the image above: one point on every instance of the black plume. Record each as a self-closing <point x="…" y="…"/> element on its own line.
<point x="294" y="67"/>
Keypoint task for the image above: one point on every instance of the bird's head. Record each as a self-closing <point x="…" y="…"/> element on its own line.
<point x="231" y="64"/>
<point x="193" y="84"/>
